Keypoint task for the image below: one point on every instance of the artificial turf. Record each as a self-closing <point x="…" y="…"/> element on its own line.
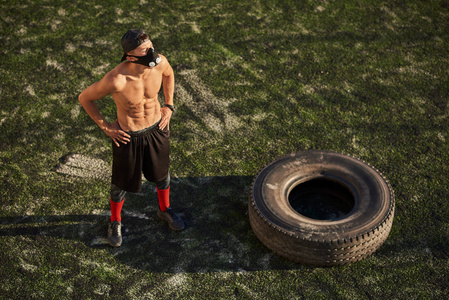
<point x="254" y="80"/>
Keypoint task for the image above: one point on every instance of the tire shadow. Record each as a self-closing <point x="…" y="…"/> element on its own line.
<point x="218" y="235"/>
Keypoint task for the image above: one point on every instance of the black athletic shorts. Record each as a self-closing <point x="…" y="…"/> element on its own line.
<point x="147" y="152"/>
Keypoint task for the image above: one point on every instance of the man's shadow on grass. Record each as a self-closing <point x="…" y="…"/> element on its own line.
<point x="218" y="235"/>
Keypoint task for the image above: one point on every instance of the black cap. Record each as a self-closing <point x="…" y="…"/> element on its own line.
<point x="131" y="40"/>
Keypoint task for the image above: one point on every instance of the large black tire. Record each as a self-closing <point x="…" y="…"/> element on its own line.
<point x="348" y="238"/>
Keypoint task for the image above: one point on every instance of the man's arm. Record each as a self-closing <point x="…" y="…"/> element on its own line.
<point x="168" y="83"/>
<point x="87" y="99"/>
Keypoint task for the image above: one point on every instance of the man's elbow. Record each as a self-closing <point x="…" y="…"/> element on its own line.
<point x="82" y="99"/>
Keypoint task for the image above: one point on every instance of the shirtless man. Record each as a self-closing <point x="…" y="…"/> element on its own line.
<point x="140" y="135"/>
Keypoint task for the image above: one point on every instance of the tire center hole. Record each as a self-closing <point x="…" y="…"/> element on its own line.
<point x="321" y="199"/>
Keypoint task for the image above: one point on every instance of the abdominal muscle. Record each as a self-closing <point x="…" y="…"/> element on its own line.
<point x="138" y="115"/>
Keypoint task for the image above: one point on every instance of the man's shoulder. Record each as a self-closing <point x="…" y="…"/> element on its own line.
<point x="114" y="79"/>
<point x="164" y="65"/>
<point x="164" y="60"/>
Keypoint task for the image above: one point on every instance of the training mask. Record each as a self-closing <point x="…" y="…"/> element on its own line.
<point x="151" y="60"/>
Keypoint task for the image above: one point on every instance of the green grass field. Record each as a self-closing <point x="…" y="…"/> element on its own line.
<point x="254" y="80"/>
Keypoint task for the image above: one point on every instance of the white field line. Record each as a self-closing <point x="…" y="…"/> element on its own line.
<point x="79" y="165"/>
<point x="214" y="111"/>
<point x="83" y="166"/>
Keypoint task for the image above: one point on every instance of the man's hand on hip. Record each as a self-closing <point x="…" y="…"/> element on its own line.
<point x="114" y="131"/>
<point x="166" y="115"/>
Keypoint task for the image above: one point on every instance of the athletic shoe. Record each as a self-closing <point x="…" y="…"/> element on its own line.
<point x="170" y="217"/>
<point x="115" y="234"/>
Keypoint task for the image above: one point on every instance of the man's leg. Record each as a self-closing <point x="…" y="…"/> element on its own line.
<point x="117" y="200"/>
<point x="166" y="213"/>
<point x="163" y="193"/>
<point x="114" y="230"/>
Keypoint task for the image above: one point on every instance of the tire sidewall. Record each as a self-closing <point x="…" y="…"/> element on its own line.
<point x="373" y="199"/>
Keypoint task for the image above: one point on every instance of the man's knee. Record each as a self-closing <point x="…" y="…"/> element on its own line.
<point x="164" y="184"/>
<point x="117" y="194"/>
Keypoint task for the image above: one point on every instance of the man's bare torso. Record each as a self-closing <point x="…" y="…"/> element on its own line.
<point x="134" y="89"/>
<point x="136" y="95"/>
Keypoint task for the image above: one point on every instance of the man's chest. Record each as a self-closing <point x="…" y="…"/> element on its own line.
<point x="143" y="87"/>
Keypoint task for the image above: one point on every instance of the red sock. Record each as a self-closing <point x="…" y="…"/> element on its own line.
<point x="164" y="198"/>
<point x="116" y="209"/>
